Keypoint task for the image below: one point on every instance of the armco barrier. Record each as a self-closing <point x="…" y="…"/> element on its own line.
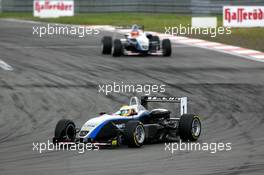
<point x="147" y="6"/>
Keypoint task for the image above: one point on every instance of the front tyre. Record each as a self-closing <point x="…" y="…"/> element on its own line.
<point x="107" y="45"/>
<point x="166" y="47"/>
<point x="189" y="127"/>
<point x="134" y="134"/>
<point x="65" y="131"/>
<point x="118" y="48"/>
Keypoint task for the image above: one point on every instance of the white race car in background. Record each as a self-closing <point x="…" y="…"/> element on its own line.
<point x="136" y="42"/>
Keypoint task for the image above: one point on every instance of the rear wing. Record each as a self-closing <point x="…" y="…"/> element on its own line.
<point x="128" y="27"/>
<point x="182" y="101"/>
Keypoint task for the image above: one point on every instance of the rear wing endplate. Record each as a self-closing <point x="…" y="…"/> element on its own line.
<point x="182" y="101"/>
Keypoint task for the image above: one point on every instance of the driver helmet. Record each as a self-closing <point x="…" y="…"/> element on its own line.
<point x="135" y="31"/>
<point x="127" y="111"/>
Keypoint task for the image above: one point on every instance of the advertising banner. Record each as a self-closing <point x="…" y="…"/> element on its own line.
<point x="53" y="8"/>
<point x="243" y="16"/>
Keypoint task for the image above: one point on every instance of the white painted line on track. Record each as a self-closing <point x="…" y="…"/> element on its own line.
<point x="5" y="66"/>
<point x="228" y="49"/>
<point x="259" y="56"/>
<point x="247" y="51"/>
<point x="235" y="54"/>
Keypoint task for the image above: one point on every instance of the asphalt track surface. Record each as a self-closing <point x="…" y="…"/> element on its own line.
<point x="57" y="77"/>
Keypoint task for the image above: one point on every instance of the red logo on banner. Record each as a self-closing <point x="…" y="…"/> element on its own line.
<point x="241" y="14"/>
<point x="48" y="6"/>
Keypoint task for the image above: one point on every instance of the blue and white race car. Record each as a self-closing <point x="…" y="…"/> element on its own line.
<point x="136" y="42"/>
<point x="133" y="125"/>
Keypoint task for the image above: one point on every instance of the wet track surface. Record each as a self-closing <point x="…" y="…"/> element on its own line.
<point x="57" y="77"/>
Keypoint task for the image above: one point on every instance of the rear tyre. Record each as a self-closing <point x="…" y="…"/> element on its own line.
<point x="107" y="45"/>
<point x="118" y="48"/>
<point x="65" y="130"/>
<point x="166" y="47"/>
<point x="189" y="127"/>
<point x="134" y="134"/>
